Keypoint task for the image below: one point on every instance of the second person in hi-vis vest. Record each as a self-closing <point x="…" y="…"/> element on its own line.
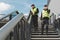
<point x="45" y="16"/>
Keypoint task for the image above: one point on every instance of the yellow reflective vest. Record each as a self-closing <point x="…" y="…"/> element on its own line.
<point x="34" y="11"/>
<point x="45" y="14"/>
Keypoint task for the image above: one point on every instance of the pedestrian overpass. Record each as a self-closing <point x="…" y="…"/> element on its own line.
<point x="17" y="27"/>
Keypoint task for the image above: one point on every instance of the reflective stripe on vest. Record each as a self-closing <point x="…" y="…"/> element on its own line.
<point x="45" y="14"/>
<point x="34" y="10"/>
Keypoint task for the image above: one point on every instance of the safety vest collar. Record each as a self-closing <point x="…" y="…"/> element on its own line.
<point x="34" y="10"/>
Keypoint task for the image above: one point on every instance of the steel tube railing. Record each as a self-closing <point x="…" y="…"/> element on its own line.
<point x="10" y="14"/>
<point x="7" y="17"/>
<point x="6" y="29"/>
<point x="18" y="28"/>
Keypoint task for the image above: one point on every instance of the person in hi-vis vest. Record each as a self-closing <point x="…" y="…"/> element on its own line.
<point x="45" y="16"/>
<point x="34" y="15"/>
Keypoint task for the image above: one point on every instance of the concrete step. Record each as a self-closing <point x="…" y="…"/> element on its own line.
<point x="50" y="29"/>
<point x="51" y="33"/>
<point x="45" y="38"/>
<point x="44" y="31"/>
<point x="48" y="26"/>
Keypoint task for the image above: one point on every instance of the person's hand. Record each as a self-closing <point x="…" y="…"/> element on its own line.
<point x="33" y="13"/>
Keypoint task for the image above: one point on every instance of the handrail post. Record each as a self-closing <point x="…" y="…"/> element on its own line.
<point x="22" y="30"/>
<point x="16" y="32"/>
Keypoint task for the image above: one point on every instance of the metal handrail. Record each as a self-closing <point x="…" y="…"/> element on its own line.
<point x="8" y="15"/>
<point x="17" y="23"/>
<point x="6" y="29"/>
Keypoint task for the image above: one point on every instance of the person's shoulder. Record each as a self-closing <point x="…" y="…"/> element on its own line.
<point x="37" y="8"/>
<point x="42" y="11"/>
<point x="48" y="9"/>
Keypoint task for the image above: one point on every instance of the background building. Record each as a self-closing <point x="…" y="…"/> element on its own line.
<point x="54" y="6"/>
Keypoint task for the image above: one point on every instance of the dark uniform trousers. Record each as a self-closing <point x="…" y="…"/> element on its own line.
<point x="45" y="21"/>
<point x="35" y="22"/>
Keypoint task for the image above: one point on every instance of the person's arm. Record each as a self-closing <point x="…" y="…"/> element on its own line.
<point x="37" y="11"/>
<point x="30" y="13"/>
<point x="49" y="11"/>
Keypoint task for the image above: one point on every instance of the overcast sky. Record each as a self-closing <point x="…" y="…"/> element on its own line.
<point x="7" y="6"/>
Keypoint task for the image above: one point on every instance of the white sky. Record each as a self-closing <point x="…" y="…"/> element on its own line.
<point x="4" y="6"/>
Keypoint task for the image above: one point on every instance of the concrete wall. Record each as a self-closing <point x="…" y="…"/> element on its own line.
<point x="54" y="5"/>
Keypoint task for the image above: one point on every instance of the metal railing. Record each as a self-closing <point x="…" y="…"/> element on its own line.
<point x="18" y="28"/>
<point x="57" y="25"/>
<point x="9" y="15"/>
<point x="6" y="18"/>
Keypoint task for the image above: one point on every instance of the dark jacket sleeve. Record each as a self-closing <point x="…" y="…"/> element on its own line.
<point x="37" y="10"/>
<point x="48" y="11"/>
<point x="30" y="13"/>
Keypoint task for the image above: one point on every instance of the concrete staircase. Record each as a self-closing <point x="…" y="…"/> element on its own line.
<point x="52" y="35"/>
